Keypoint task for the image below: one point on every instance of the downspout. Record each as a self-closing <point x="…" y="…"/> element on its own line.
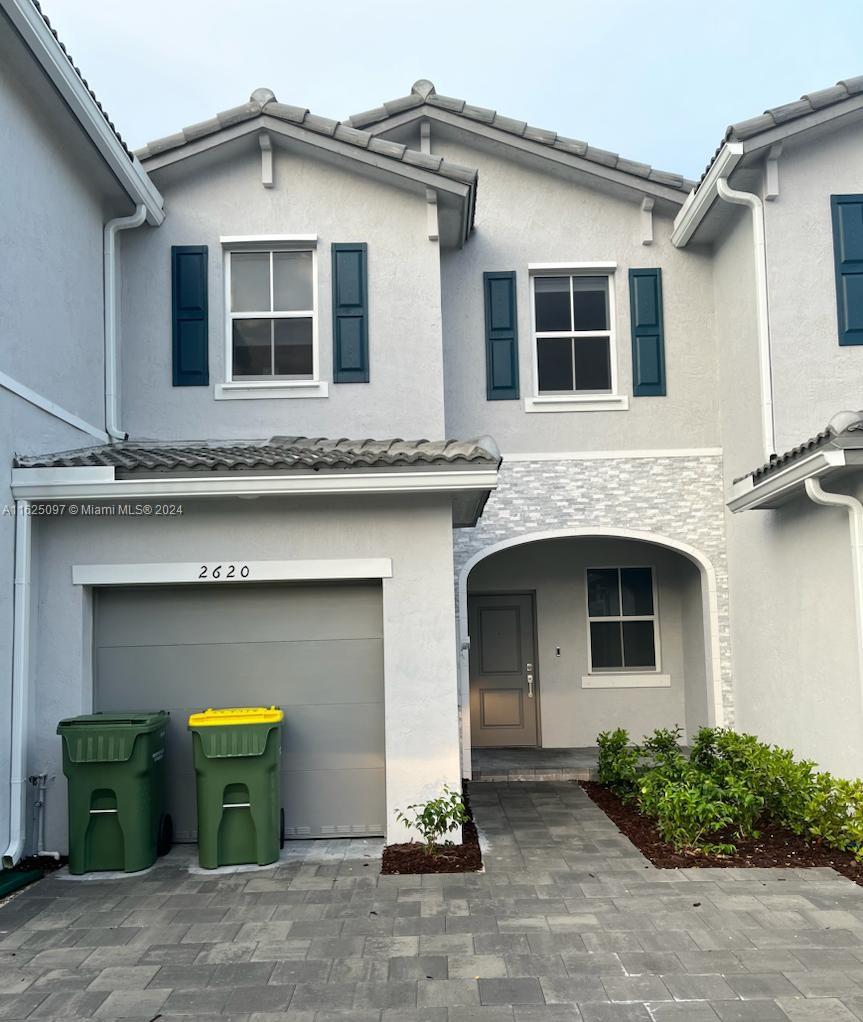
<point x="112" y="385"/>
<point x="20" y="685"/>
<point x="765" y="365"/>
<point x="854" y="507"/>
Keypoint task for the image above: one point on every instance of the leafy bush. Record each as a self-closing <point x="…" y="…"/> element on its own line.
<point x="618" y="762"/>
<point x="731" y="785"/>
<point x="436" y="818"/>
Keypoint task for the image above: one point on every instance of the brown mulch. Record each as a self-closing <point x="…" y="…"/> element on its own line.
<point x="411" y="857"/>
<point x="775" y="847"/>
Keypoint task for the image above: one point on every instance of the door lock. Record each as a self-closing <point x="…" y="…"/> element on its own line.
<point x="529" y="681"/>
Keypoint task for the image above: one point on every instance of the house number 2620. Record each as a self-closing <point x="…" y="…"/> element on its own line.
<point x="223" y="572"/>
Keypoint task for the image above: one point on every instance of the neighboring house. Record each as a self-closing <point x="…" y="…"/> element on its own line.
<point x="430" y="269"/>
<point x="65" y="174"/>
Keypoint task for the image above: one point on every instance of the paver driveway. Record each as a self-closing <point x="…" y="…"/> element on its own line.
<point x="568" y="922"/>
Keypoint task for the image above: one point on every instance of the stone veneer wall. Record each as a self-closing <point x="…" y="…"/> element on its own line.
<point x="680" y="498"/>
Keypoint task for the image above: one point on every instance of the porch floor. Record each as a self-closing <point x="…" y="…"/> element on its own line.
<point x="578" y="764"/>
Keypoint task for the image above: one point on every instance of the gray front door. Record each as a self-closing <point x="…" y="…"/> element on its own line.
<point x="503" y="693"/>
<point x="314" y="650"/>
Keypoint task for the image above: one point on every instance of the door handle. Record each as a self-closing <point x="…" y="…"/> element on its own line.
<point x="530" y="686"/>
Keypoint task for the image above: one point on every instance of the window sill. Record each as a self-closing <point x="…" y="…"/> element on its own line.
<point x="276" y="389"/>
<point x="645" y="680"/>
<point x="577" y="403"/>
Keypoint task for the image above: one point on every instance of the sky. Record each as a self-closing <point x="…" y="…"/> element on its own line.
<point x="655" y="80"/>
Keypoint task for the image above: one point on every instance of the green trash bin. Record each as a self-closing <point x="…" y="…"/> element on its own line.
<point x="237" y="753"/>
<point x="115" y="766"/>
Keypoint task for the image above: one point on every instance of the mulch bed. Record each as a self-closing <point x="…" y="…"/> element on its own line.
<point x="411" y="857"/>
<point x="776" y="846"/>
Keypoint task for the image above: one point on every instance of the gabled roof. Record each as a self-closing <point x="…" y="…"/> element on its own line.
<point x="38" y="35"/>
<point x="424" y="98"/>
<point x="280" y="453"/>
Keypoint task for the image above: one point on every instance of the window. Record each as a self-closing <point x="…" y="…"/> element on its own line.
<point x="271" y="313"/>
<point x="572" y="329"/>
<point x="622" y="623"/>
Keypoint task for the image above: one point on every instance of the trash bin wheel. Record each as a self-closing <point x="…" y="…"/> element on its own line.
<point x="166" y="835"/>
<point x="281" y="828"/>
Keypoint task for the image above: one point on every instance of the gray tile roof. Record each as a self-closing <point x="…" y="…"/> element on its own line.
<point x="777" y="115"/>
<point x="84" y="81"/>
<point x="423" y="93"/>
<point x="844" y="430"/>
<point x="263" y="101"/>
<point x="279" y="453"/>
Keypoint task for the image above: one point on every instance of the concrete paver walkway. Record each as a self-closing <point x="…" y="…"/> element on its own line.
<point x="569" y="921"/>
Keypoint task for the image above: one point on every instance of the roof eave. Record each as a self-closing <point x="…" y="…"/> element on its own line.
<point x="438" y="182"/>
<point x="733" y="151"/>
<point x="558" y="156"/>
<point x="777" y="488"/>
<point x="47" y="51"/>
<point x="701" y="199"/>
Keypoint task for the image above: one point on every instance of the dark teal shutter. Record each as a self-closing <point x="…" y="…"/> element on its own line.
<point x="501" y="336"/>
<point x="189" y="315"/>
<point x="648" y="334"/>
<point x="848" y="255"/>
<point x="350" y="314"/>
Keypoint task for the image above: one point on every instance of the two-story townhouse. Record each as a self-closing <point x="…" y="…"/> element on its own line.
<point x="780" y="211"/>
<point x="65" y="176"/>
<point x="435" y="269"/>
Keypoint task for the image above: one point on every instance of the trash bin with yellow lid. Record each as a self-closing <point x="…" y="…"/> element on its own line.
<point x="237" y="753"/>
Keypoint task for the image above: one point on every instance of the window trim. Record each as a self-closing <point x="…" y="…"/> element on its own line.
<point x="576" y="401"/>
<point x="613" y="672"/>
<point x="276" y="387"/>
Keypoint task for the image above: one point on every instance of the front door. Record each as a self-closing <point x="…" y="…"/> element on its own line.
<point x="503" y="691"/>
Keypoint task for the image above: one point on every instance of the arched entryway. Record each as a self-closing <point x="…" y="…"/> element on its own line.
<point x="568" y="632"/>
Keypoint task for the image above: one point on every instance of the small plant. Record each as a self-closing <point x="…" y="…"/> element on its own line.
<point x="436" y="818"/>
<point x="663" y="746"/>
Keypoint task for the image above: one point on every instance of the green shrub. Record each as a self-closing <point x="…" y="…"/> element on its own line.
<point x="731" y="785"/>
<point x="436" y="818"/>
<point x="618" y="762"/>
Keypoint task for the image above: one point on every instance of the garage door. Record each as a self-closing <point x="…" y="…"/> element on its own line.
<point x="315" y="650"/>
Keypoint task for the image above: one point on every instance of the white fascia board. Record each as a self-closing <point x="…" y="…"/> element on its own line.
<point x="643" y="186"/>
<point x="299" y="484"/>
<point x="748" y="495"/>
<point x="201" y="572"/>
<point x="702" y="198"/>
<point x="676" y="452"/>
<point x="57" y="66"/>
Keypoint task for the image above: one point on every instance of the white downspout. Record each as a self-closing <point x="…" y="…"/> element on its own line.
<point x="765" y="366"/>
<point x="20" y="685"/>
<point x="854" y="507"/>
<point x="112" y="383"/>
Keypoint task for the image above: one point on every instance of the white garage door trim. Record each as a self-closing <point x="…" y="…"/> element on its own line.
<point x="214" y="572"/>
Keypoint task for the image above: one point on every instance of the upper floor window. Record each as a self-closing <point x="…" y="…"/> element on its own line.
<point x="272" y="315"/>
<point x="572" y="311"/>
<point x="573" y="334"/>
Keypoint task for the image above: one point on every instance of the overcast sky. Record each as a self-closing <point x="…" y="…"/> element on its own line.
<point x="656" y="80"/>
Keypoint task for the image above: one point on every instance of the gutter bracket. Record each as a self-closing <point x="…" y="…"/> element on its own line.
<point x="647" y="205"/>
<point x="266" y="144"/>
<point x="771" y="186"/>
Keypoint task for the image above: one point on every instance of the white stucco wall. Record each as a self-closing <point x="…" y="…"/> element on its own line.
<point x="793" y="636"/>
<point x="555" y="570"/>
<point x="526" y="216"/>
<point x="224" y="197"/>
<point x="55" y="195"/>
<point x="421" y="716"/>
<point x="813" y="376"/>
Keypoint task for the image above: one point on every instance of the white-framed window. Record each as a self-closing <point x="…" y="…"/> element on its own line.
<point x="573" y="331"/>
<point x="622" y="620"/>
<point x="271" y="319"/>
